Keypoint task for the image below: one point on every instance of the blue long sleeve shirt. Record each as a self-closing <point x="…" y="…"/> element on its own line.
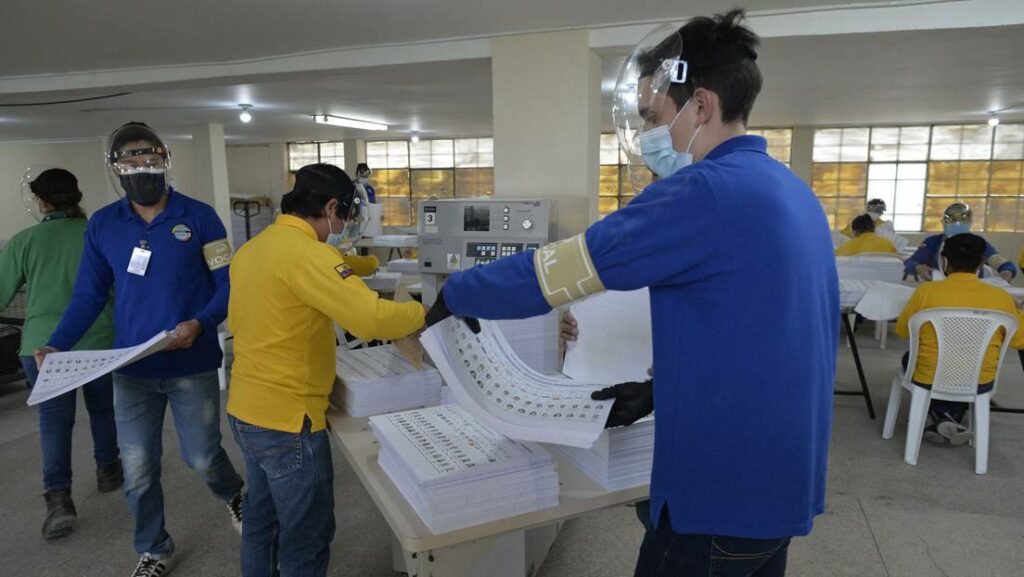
<point x="928" y="254"/>
<point x="737" y="253"/>
<point x="187" y="278"/>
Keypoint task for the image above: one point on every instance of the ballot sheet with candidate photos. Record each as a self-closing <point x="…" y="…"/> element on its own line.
<point x="494" y="385"/>
<point x="66" y="371"/>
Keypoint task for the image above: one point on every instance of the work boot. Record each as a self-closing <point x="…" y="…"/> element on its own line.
<point x="109" y="477"/>
<point x="60" y="513"/>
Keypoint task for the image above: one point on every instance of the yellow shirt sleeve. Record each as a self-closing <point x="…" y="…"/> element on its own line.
<point x="913" y="305"/>
<point x="362" y="265"/>
<point x="327" y="284"/>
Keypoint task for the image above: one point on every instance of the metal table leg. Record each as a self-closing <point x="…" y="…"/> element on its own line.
<point x="864" y="392"/>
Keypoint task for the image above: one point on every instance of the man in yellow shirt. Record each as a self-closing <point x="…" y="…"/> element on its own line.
<point x="290" y="286"/>
<point x="964" y="255"/>
<point x="864" y="239"/>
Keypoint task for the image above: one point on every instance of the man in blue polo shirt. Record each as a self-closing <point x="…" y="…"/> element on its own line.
<point x="736" y="250"/>
<point x="956" y="219"/>
<point x="165" y="256"/>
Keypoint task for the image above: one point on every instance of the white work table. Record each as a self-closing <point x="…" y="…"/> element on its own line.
<point x="496" y="549"/>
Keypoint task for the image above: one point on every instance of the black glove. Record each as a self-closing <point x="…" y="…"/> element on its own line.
<point x="439" y="311"/>
<point x="633" y="401"/>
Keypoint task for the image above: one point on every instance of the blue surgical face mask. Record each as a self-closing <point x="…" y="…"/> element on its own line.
<point x="363" y="180"/>
<point x="955" y="228"/>
<point x="657" y="151"/>
<point x="335" y="239"/>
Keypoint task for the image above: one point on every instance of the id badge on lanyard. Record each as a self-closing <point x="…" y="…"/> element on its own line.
<point x="140" y="259"/>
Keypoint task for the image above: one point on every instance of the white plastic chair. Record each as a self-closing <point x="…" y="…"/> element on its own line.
<point x="222" y="372"/>
<point x="963" y="338"/>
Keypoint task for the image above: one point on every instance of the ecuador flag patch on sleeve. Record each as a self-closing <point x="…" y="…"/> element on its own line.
<point x="343" y="270"/>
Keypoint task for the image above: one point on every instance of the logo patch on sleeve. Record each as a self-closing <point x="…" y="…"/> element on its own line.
<point x="217" y="254"/>
<point x="182" y="232"/>
<point x="343" y="270"/>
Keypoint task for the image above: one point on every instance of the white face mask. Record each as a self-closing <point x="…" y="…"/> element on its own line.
<point x="657" y="151"/>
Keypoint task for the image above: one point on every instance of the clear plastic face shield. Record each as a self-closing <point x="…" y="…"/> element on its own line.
<point x="29" y="198"/>
<point x="956" y="219"/>
<point x="641" y="102"/>
<point x="137" y="162"/>
<point x="876" y="207"/>
<point x="355" y="221"/>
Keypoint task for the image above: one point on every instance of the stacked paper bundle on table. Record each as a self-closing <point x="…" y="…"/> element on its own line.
<point x="534" y="340"/>
<point x="379" y="380"/>
<point x="621" y="458"/>
<point x="404" y="265"/>
<point x="456" y="473"/>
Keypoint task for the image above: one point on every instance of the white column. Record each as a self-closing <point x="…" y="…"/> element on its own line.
<point x="280" y="178"/>
<point x="355" y="152"/>
<point x="547" y="122"/>
<point x="211" y="167"/>
<point x="801" y="152"/>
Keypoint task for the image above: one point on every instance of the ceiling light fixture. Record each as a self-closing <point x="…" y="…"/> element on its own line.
<point x="245" y="116"/>
<point x="993" y="119"/>
<point x="415" y="138"/>
<point x="348" y="122"/>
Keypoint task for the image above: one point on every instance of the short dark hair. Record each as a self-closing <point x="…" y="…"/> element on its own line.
<point x="863" y="223"/>
<point x="362" y="166"/>
<point x="59" y="188"/>
<point x="721" y="55"/>
<point x="964" y="252"/>
<point x="315" y="186"/>
<point x="134" y="132"/>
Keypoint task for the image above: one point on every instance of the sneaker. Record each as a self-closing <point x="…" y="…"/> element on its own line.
<point x="150" y="567"/>
<point x="60" y="513"/>
<point x="956" y="433"/>
<point x="235" y="509"/>
<point x="109" y="477"/>
<point x="932" y="435"/>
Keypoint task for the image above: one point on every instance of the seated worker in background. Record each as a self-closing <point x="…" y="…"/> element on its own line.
<point x="363" y="173"/>
<point x="46" y="257"/>
<point x="956" y="219"/>
<point x="963" y="255"/>
<point x="865" y="239"/>
<point x="875" y="209"/>
<point x="290" y="285"/>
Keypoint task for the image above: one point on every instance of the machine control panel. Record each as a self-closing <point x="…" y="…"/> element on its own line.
<point x="459" y="234"/>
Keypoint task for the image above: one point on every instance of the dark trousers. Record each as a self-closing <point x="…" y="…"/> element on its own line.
<point x="665" y="553"/>
<point x="938" y="410"/>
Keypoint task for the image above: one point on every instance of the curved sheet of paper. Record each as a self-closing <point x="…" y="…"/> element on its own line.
<point x="884" y="301"/>
<point x="614" y="342"/>
<point x="498" y="388"/>
<point x="63" y="372"/>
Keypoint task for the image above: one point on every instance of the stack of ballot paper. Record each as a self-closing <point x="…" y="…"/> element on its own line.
<point x="456" y="473"/>
<point x="621" y="458"/>
<point x="534" y="340"/>
<point x="380" y="380"/>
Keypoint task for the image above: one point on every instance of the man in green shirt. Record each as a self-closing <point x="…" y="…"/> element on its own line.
<point x="46" y="257"/>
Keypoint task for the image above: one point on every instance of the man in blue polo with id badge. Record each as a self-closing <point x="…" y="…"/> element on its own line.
<point x="165" y="256"/>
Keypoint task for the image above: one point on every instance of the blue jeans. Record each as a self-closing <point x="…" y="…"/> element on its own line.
<point x="289" y="507"/>
<point x="139" y="406"/>
<point x="57" y="420"/>
<point x="668" y="554"/>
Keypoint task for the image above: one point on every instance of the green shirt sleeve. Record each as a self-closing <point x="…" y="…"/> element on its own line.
<point x="12" y="275"/>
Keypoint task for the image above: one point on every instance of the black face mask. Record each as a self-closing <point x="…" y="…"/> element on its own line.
<point x="144" y="188"/>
